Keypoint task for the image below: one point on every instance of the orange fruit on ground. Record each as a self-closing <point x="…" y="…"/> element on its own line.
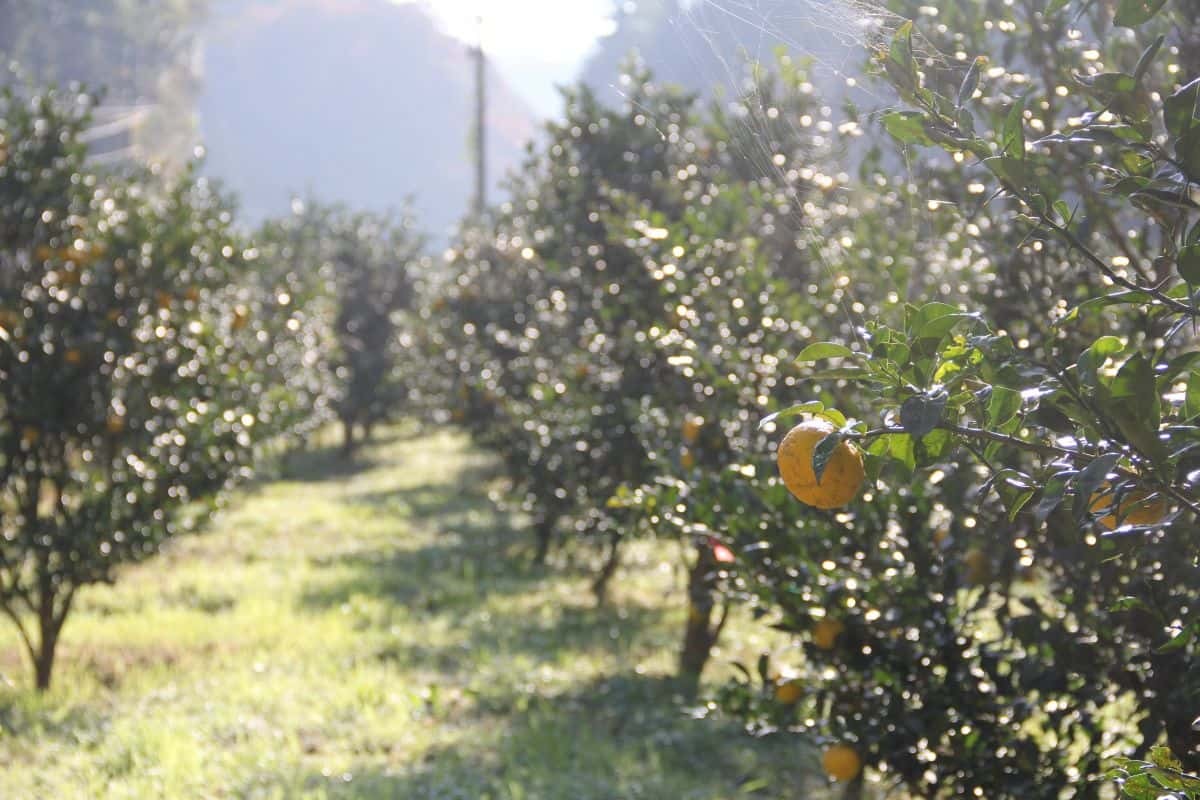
<point x="1135" y="508"/>
<point x="841" y="762"/>
<point x="825" y="633"/>
<point x="691" y="429"/>
<point x="843" y="476"/>
<point x="979" y="567"/>
<point x="789" y="692"/>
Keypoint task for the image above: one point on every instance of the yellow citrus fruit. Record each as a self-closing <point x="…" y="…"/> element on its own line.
<point x="841" y="762"/>
<point x="691" y="429"/>
<point x="825" y="633"/>
<point x="687" y="460"/>
<point x="979" y="567"/>
<point x="843" y="476"/>
<point x="1135" y="509"/>
<point x="789" y="692"/>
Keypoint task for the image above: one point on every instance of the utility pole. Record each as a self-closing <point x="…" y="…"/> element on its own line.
<point x="480" y="126"/>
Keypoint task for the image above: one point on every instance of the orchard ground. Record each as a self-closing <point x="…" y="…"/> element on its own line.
<point x="374" y="629"/>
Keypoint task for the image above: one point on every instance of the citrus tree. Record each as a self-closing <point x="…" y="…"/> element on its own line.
<point x="127" y="396"/>
<point x="351" y="272"/>
<point x="1008" y="598"/>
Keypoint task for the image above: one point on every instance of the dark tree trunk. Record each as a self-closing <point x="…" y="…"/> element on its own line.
<point x="348" y="442"/>
<point x="608" y="569"/>
<point x="700" y="632"/>
<point x="51" y="617"/>
<point x="43" y="663"/>
<point x="544" y="533"/>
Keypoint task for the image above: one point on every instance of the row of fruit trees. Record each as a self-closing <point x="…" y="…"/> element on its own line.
<point x="936" y="420"/>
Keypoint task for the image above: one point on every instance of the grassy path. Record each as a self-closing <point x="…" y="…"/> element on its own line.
<point x="374" y="631"/>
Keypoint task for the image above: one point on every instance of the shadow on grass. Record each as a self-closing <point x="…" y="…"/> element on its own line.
<point x="477" y="553"/>
<point x="626" y="736"/>
<point x="324" y="463"/>
<point x="23" y="714"/>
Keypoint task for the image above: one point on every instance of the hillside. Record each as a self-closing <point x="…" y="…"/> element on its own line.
<point x="706" y="43"/>
<point x="365" y="99"/>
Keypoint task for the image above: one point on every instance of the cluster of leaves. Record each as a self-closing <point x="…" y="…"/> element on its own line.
<point x="134" y="386"/>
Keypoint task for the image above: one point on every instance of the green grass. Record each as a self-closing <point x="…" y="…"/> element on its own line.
<point x="375" y="630"/>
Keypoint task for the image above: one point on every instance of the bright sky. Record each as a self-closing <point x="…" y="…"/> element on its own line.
<point x="537" y="44"/>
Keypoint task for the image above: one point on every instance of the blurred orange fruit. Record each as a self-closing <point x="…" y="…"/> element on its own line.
<point x="1136" y="508"/>
<point x="979" y="567"/>
<point x="841" y="762"/>
<point x="826" y="632"/>
<point x="691" y="429"/>
<point x="844" y="472"/>
<point x="789" y="692"/>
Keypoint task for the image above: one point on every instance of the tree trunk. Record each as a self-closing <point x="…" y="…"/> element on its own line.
<point x="544" y="532"/>
<point x="854" y="789"/>
<point x="608" y="569"/>
<point x="43" y="663"/>
<point x="700" y="633"/>
<point x="50" y="623"/>
<point x="348" y="443"/>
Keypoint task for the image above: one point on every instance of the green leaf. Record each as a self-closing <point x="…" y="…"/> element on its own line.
<point x="1089" y="480"/>
<point x="811" y="407"/>
<point x="970" y="81"/>
<point x="1128" y="604"/>
<point x="1179" y="110"/>
<point x="821" y="350"/>
<point x="1094" y="357"/>
<point x="1134" y="387"/>
<point x="1012" y="135"/>
<point x="824" y="451"/>
<point x="900" y="65"/>
<point x="1131" y="13"/>
<point x="906" y="127"/>
<point x="1188" y="263"/>
<point x="1147" y="57"/>
<point x="1052" y="495"/>
<point x="1003" y="405"/>
<point x="921" y="414"/>
<point x="1191" y="400"/>
<point x="1178" y="641"/>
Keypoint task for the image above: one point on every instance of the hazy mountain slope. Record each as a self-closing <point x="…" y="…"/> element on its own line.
<point x="362" y="101"/>
<point x="704" y="43"/>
